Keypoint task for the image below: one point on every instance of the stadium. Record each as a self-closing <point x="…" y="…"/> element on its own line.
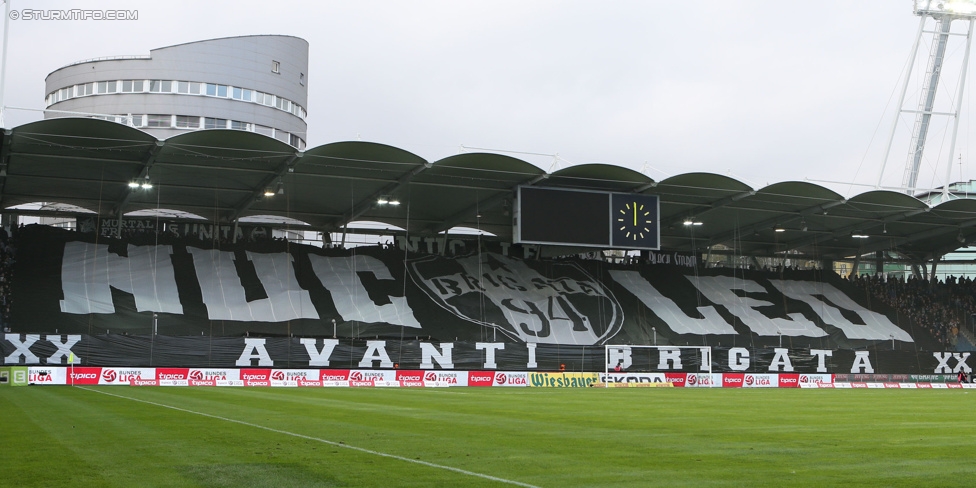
<point x="352" y="314"/>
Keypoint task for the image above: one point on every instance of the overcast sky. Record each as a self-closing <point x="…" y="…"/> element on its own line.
<point x="764" y="91"/>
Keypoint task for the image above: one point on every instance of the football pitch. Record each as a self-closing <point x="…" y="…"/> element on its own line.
<point x="424" y="437"/>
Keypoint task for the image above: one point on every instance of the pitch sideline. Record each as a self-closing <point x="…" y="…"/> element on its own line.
<point x="324" y="441"/>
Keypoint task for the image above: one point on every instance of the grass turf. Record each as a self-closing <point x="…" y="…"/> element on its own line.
<point x="67" y="436"/>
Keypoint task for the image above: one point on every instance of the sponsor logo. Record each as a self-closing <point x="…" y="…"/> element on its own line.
<point x="360" y="383"/>
<point x="209" y="375"/>
<point x="193" y="382"/>
<point x="692" y="380"/>
<point x="109" y="375"/>
<point x="500" y="378"/>
<point x="787" y="380"/>
<point x="733" y="380"/>
<point x="40" y="376"/>
<point x="804" y="378"/>
<point x="356" y="376"/>
<point x="335" y="377"/>
<point x="562" y="380"/>
<point x="254" y="377"/>
<point x="480" y="378"/>
<point x="278" y="375"/>
<point x="142" y="382"/>
<point x="676" y="379"/>
<point x="83" y="376"/>
<point x="410" y="376"/>
<point x="164" y="376"/>
<point x="449" y="378"/>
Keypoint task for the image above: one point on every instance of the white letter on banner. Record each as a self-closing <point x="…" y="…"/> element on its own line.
<point x="376" y="351"/>
<point x="961" y="363"/>
<point x="943" y="358"/>
<point x="22" y="349"/>
<point x="668" y="355"/>
<point x="64" y="348"/>
<point x="529" y="348"/>
<point x="491" y="347"/>
<point x="254" y="349"/>
<point x="821" y="353"/>
<point x="721" y="290"/>
<point x="738" y="359"/>
<point x="862" y="363"/>
<point x="619" y="355"/>
<point x="88" y="270"/>
<point x="823" y="296"/>
<point x="781" y="360"/>
<point x="668" y="311"/>
<point x="430" y="354"/>
<point x="315" y="357"/>
<point x="340" y="276"/>
<point x="224" y="295"/>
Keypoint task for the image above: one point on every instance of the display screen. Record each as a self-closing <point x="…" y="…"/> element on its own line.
<point x="556" y="216"/>
<point x="587" y="218"/>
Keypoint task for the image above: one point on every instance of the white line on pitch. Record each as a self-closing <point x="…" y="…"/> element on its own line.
<point x="324" y="441"/>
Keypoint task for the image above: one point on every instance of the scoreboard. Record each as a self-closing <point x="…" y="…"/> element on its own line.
<point x="567" y="217"/>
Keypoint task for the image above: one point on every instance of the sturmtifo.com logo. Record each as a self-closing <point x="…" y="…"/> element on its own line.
<point x="73" y="14"/>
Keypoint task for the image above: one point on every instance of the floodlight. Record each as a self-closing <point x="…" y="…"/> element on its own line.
<point x="779" y="228"/>
<point x="859" y="235"/>
<point x="134" y="184"/>
<point x="951" y="8"/>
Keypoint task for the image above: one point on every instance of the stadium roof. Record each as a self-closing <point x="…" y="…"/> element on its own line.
<point x="222" y="175"/>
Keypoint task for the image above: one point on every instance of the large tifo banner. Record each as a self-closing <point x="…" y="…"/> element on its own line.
<point x="166" y="298"/>
<point x="308" y="352"/>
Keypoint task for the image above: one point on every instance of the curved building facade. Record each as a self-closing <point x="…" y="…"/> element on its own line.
<point x="252" y="83"/>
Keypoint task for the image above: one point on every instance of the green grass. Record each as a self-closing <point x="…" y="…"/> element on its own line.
<point x="66" y="436"/>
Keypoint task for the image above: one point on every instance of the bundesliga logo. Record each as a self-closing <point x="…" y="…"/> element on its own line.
<point x="109" y="375"/>
<point x="500" y="378"/>
<point x="278" y="375"/>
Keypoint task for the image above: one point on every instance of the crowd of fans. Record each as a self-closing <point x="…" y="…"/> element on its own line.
<point x="941" y="307"/>
<point x="7" y="255"/>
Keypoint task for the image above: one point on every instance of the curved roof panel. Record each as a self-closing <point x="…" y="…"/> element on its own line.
<point x="224" y="175"/>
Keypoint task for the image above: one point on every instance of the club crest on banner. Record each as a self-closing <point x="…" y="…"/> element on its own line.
<point x="560" y="304"/>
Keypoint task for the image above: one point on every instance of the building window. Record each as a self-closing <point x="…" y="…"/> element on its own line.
<point x="182" y="87"/>
<point x="187" y="122"/>
<point x="294" y="140"/>
<point x="301" y="79"/>
<point x="263" y="129"/>
<point x="161" y="86"/>
<point x="84" y="89"/>
<point x="160" y="120"/>
<point x="238" y="125"/>
<point x="276" y="67"/>
<point x="132" y="86"/>
<point x="211" y="90"/>
<point x="103" y="87"/>
<point x="212" y="123"/>
<point x="137" y="120"/>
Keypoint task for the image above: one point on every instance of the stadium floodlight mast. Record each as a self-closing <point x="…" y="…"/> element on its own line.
<point x="943" y="12"/>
